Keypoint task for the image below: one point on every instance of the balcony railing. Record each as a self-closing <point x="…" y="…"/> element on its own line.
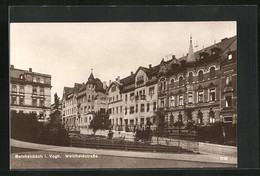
<point x="143" y="97"/>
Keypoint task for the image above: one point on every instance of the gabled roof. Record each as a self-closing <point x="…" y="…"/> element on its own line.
<point x="67" y="91"/>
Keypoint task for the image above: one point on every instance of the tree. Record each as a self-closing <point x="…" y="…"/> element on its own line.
<point x="161" y="123"/>
<point x="100" y="122"/>
<point x="56" y="101"/>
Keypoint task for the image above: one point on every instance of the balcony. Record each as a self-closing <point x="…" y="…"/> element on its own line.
<point x="136" y="98"/>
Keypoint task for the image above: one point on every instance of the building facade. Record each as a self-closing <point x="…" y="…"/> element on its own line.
<point x="199" y="88"/>
<point x="83" y="101"/>
<point x="133" y="99"/>
<point x="30" y="92"/>
<point x="191" y="88"/>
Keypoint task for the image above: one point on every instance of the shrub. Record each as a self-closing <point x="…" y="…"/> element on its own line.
<point x="110" y="134"/>
<point x="217" y="133"/>
<point x="144" y="135"/>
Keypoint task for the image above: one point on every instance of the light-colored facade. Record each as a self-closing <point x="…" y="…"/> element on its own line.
<point x="30" y="92"/>
<point x="133" y="100"/>
<point x="80" y="103"/>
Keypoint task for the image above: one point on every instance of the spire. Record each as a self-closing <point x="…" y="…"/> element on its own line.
<point x="91" y="77"/>
<point x="191" y="57"/>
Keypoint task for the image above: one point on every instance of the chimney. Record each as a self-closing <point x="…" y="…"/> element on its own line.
<point x="132" y="73"/>
<point x="150" y="65"/>
<point x="110" y="82"/>
<point x="104" y="85"/>
<point x="30" y="69"/>
<point x="173" y="57"/>
<point x="118" y="78"/>
<point x="224" y="39"/>
<point x="12" y="66"/>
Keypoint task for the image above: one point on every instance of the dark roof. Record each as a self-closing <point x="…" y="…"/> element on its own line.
<point x="91" y="77"/>
<point x="223" y="45"/>
<point x="67" y="91"/>
<point x="128" y="80"/>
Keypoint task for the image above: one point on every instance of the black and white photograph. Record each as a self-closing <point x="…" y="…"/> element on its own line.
<point x="94" y="95"/>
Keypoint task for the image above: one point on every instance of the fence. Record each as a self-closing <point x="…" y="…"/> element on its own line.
<point x="156" y="145"/>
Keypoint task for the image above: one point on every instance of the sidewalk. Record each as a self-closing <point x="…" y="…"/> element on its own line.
<point x="203" y="157"/>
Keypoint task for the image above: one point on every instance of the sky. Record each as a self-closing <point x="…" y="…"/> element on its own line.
<point x="68" y="51"/>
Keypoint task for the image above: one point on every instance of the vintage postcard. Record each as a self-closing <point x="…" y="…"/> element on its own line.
<point x="123" y="95"/>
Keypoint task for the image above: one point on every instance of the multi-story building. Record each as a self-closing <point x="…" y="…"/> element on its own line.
<point x="133" y="100"/>
<point x="81" y="102"/>
<point x="199" y="88"/>
<point x="30" y="92"/>
<point x="191" y="88"/>
<point x="228" y="83"/>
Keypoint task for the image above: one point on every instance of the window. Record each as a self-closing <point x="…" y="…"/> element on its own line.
<point x="142" y="121"/>
<point x="148" y="107"/>
<point x="136" y="108"/>
<point x="132" y="109"/>
<point x="151" y="90"/>
<point x="113" y="111"/>
<point x="200" y="96"/>
<point x="181" y="81"/>
<point x="212" y="95"/>
<point x="117" y="98"/>
<point x="172" y="83"/>
<point x="228" y="101"/>
<point x="41" y="80"/>
<point x="172" y="101"/>
<point x="142" y="107"/>
<point x="21" y="89"/>
<point x="21" y="76"/>
<point x="200" y="117"/>
<point x="121" y="109"/>
<point x="34" y="102"/>
<point x="42" y="102"/>
<point x="125" y="111"/>
<point x="41" y="91"/>
<point x="34" y="79"/>
<point x="21" y="101"/>
<point x="113" y="88"/>
<point x="14" y="88"/>
<point x="200" y="75"/>
<point x="34" y="90"/>
<point x="190" y="97"/>
<point x="92" y="108"/>
<point x="126" y="98"/>
<point x="102" y="110"/>
<point x="85" y="108"/>
<point x="229" y="80"/>
<point x="229" y="56"/>
<point x="109" y="111"/>
<point x="162" y="103"/>
<point x="228" y="119"/>
<point x="132" y="95"/>
<point x="190" y="78"/>
<point x="180" y="117"/>
<point x="212" y="72"/>
<point x="13" y="100"/>
<point x="180" y="100"/>
<point x="211" y="117"/>
<point x="154" y="106"/>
